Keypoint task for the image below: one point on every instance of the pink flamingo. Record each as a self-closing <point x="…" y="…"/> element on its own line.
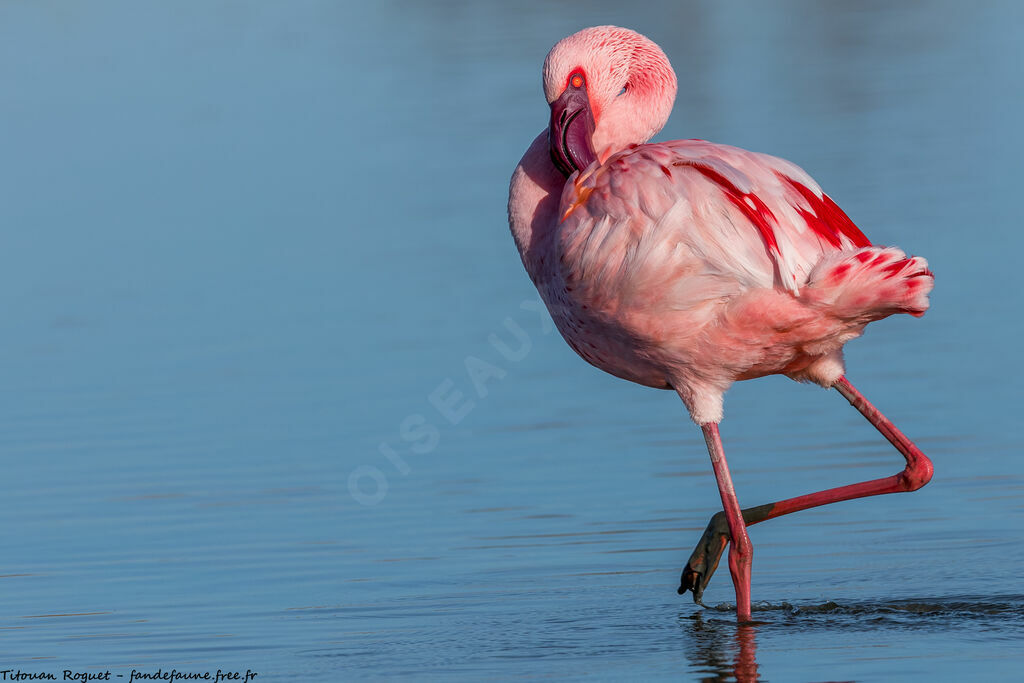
<point x="689" y="265"/>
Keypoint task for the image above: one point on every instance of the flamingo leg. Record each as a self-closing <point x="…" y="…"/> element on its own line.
<point x="917" y="473"/>
<point x="740" y="551"/>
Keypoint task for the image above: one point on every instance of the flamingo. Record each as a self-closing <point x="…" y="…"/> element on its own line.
<point x="690" y="265"/>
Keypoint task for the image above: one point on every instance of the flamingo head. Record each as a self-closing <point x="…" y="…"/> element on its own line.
<point x="608" y="88"/>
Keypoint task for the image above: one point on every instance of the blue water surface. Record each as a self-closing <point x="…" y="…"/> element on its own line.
<point x="277" y="395"/>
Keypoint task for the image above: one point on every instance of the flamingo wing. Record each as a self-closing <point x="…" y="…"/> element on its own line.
<point x="690" y="221"/>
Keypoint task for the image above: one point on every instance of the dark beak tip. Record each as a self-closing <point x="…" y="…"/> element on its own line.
<point x="571" y="130"/>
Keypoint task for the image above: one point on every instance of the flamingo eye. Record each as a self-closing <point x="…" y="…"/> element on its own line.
<point x="576" y="80"/>
<point x="623" y="91"/>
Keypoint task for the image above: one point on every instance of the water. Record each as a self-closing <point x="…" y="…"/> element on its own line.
<point x="245" y="243"/>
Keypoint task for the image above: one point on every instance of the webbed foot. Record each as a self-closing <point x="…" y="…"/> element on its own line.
<point x="704" y="560"/>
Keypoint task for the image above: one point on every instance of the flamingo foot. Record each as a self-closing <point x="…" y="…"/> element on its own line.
<point x="705" y="557"/>
<point x="704" y="560"/>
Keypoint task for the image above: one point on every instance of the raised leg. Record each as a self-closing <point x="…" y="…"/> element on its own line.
<point x="740" y="552"/>
<point x="917" y="473"/>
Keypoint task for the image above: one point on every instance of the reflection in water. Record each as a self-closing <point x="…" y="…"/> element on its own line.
<point x="746" y="657"/>
<point x="719" y="650"/>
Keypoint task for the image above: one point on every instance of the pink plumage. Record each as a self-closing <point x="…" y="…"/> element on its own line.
<point x="689" y="265"/>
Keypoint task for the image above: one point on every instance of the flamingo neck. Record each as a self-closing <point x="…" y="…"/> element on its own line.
<point x="534" y="194"/>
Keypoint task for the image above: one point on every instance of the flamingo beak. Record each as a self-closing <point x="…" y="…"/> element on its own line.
<point x="571" y="129"/>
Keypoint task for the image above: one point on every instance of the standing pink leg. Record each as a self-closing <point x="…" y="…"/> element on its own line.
<point x="740" y="551"/>
<point x="917" y="473"/>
